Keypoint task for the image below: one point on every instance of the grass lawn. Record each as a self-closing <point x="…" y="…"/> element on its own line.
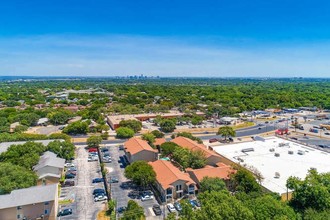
<point x="244" y="125"/>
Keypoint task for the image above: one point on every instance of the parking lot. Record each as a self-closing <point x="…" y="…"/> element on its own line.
<point x="125" y="190"/>
<point x="83" y="206"/>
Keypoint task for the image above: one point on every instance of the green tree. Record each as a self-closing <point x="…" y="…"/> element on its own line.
<point x="123" y="133"/>
<point x="226" y="132"/>
<point x="63" y="149"/>
<point x="244" y="181"/>
<point x="133" y="211"/>
<point x="60" y="116"/>
<point x="221" y="205"/>
<point x="132" y="124"/>
<point x="141" y="173"/>
<point x="15" y="177"/>
<point x="94" y="141"/>
<point x="105" y="136"/>
<point x="209" y="184"/>
<point x="182" y="156"/>
<point x="311" y="214"/>
<point x="150" y="138"/>
<point x="168" y="148"/>
<point x="312" y="192"/>
<point x="167" y="125"/>
<point x="268" y="207"/>
<point x="21" y="128"/>
<point x="25" y="155"/>
<point x="78" y="127"/>
<point x="158" y="134"/>
<point x="197" y="159"/>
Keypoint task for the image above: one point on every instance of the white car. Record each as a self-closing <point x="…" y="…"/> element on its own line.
<point x="147" y="197"/>
<point x="69" y="165"/>
<point x="171" y="207"/>
<point x="100" y="198"/>
<point x="92" y="159"/>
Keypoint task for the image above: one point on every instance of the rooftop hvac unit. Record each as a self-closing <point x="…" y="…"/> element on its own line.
<point x="300" y="152"/>
<point x="245" y="150"/>
<point x="277" y="175"/>
<point x="277" y="154"/>
<point x="290" y="152"/>
<point x="271" y="149"/>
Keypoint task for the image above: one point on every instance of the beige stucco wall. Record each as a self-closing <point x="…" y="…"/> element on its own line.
<point x="144" y="155"/>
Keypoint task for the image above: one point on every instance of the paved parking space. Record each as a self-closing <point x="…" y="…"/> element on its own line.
<point x="121" y="190"/>
<point x="84" y="207"/>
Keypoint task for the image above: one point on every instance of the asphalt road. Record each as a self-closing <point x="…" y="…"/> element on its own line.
<point x="250" y="131"/>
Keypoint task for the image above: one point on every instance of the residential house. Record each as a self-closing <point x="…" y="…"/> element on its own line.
<point x="49" y="169"/>
<point x="138" y="149"/>
<point x="171" y="182"/>
<point x="212" y="158"/>
<point x="37" y="202"/>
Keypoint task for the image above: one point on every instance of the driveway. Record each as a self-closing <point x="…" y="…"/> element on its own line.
<point x="84" y="207"/>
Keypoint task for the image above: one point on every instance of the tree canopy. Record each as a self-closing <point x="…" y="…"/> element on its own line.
<point x="167" y="125"/>
<point x="226" y="132"/>
<point x="141" y="173"/>
<point x="123" y="133"/>
<point x="133" y="211"/>
<point x="209" y="184"/>
<point x="135" y="125"/>
<point x="15" y="177"/>
<point x="94" y="141"/>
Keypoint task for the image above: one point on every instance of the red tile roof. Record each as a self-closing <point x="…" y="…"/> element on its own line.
<point x="167" y="173"/>
<point x="135" y="145"/>
<point x="192" y="145"/>
<point x="159" y="141"/>
<point x="222" y="172"/>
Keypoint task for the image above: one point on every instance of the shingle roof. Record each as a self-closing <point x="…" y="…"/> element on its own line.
<point x="49" y="159"/>
<point x="167" y="173"/>
<point x="35" y="194"/>
<point x="192" y="145"/>
<point x="135" y="145"/>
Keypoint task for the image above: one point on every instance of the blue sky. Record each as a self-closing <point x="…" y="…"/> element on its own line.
<point x="221" y="38"/>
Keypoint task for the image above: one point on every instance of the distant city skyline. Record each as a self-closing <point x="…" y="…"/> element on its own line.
<point x="186" y="38"/>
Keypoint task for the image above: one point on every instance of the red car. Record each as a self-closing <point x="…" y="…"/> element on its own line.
<point x="212" y="140"/>
<point x="92" y="150"/>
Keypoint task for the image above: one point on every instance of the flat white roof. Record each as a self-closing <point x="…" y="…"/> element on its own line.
<point x="285" y="164"/>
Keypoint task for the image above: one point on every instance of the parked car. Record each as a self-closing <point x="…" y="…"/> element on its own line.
<point x="69" y="165"/>
<point x="147" y="197"/>
<point x="90" y="159"/>
<point x="121" y="147"/>
<point x="178" y="207"/>
<point x="113" y="180"/>
<point x="212" y="140"/>
<point x="72" y="172"/>
<point x="92" y="150"/>
<point x="193" y="205"/>
<point x="196" y="202"/>
<point x="72" y="169"/>
<point x="69" y="176"/>
<point x="67" y="183"/>
<point x="107" y="160"/>
<point x="64" y="212"/>
<point x="100" y="198"/>
<point x="97" y="180"/>
<point x="104" y="150"/>
<point x="157" y="210"/>
<point x="170" y="207"/>
<point x="121" y="209"/>
<point x="98" y="191"/>
<point x="327" y="133"/>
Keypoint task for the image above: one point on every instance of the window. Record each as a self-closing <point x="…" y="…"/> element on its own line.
<point x="19" y="207"/>
<point x="46" y="203"/>
<point x="18" y="216"/>
<point x="46" y="211"/>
